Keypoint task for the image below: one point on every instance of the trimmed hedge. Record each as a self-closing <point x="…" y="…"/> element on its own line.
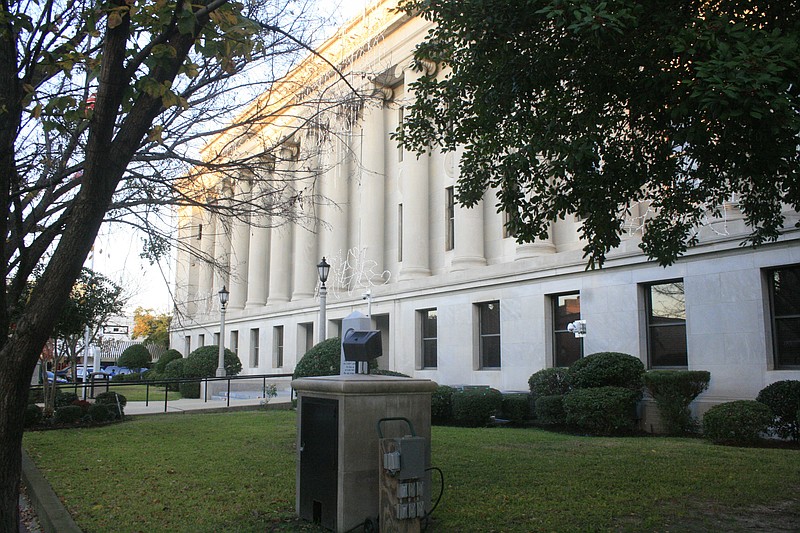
<point x="550" y="410"/>
<point x="738" y="422"/>
<point x="607" y="369"/>
<point x="673" y="392"/>
<point x="135" y="357"/>
<point x="549" y="382"/>
<point x="602" y="410"/>
<point x="64" y="398"/>
<point x="170" y="355"/>
<point x="110" y="399"/>
<point x="474" y="407"/>
<point x="323" y="359"/>
<point x="68" y="414"/>
<point x="783" y="398"/>
<point x="101" y="412"/>
<point x="202" y="363"/>
<point x="442" y="405"/>
<point x="516" y="407"/>
<point x="33" y="415"/>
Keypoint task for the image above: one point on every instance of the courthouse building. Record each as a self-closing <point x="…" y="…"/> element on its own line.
<point x="457" y="299"/>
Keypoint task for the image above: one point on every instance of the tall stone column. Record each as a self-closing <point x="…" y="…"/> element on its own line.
<point x="371" y="220"/>
<point x="304" y="261"/>
<point x="240" y="248"/>
<point x="537" y="248"/>
<point x="416" y="212"/>
<point x="259" y="247"/>
<point x="186" y="271"/>
<point x="280" y="253"/>
<point x="205" y="281"/>
<point x="468" y="234"/>
<point x="335" y="185"/>
<point x="222" y="251"/>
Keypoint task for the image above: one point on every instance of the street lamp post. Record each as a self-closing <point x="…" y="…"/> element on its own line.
<point x="324" y="269"/>
<point x="223" y="302"/>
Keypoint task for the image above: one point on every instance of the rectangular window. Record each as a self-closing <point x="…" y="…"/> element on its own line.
<point x="216" y="339"/>
<point x="234" y="347"/>
<point x="254" y="340"/>
<point x="401" y="111"/>
<point x="489" y="334"/>
<point x="428" y="334"/>
<point x="566" y="347"/>
<point x="305" y="338"/>
<point x="507" y="233"/>
<point x="277" y="346"/>
<point x="784" y="296"/>
<point x="666" y="324"/>
<point x="187" y="345"/>
<point x="400" y="232"/>
<point x="199" y="232"/>
<point x="450" y="219"/>
<point x="201" y="340"/>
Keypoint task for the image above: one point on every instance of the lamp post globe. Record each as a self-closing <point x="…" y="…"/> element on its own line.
<point x="323" y="268"/>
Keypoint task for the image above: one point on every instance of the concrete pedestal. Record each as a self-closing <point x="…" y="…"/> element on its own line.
<point x="337" y="441"/>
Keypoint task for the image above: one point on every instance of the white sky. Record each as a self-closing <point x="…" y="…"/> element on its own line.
<point x="117" y="249"/>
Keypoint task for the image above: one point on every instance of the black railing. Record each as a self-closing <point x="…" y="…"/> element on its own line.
<point x="100" y="380"/>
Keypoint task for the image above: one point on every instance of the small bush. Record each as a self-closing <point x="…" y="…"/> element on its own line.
<point x="738" y="422"/>
<point x="101" y="412"/>
<point x="164" y="360"/>
<point x="384" y="372"/>
<point x="174" y="370"/>
<point x="189" y="389"/>
<point x="111" y="398"/>
<point x="602" y="410"/>
<point x="33" y="415"/>
<point x="607" y="369"/>
<point x="68" y="414"/>
<point x="474" y="407"/>
<point x="135" y="357"/>
<point x="550" y="410"/>
<point x="202" y="363"/>
<point x="36" y="396"/>
<point x="64" y="398"/>
<point x="323" y="359"/>
<point x="118" y="378"/>
<point x="442" y="405"/>
<point x="516" y="407"/>
<point x="549" y="382"/>
<point x="673" y="392"/>
<point x="783" y="397"/>
<point x="83" y="404"/>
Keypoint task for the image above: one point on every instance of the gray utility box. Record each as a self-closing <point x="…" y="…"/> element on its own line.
<point x="338" y="447"/>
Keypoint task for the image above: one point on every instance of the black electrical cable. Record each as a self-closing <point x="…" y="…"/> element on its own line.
<point x="438" y="499"/>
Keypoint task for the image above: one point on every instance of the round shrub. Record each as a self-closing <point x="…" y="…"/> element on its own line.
<point x="516" y="407"/>
<point x="69" y="414"/>
<point x="602" y="410"/>
<point x="607" y="369"/>
<point x="442" y="405"/>
<point x="166" y="357"/>
<point x="323" y="359"/>
<point x="135" y="357"/>
<point x="64" y="398"/>
<point x="673" y="392"/>
<point x="189" y="389"/>
<point x="738" y="422"/>
<point x="550" y="410"/>
<point x="384" y="372"/>
<point x="783" y="398"/>
<point x="202" y="363"/>
<point x="101" y="412"/>
<point x="33" y="415"/>
<point x="474" y="407"/>
<point x="83" y="404"/>
<point x="111" y="398"/>
<point x="35" y="396"/>
<point x="549" y="382"/>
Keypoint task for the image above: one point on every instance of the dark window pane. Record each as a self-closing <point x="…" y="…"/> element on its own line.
<point x="429" y="354"/>
<point x="490" y="352"/>
<point x="668" y="345"/>
<point x="787" y="333"/>
<point x="567" y="348"/>
<point x="490" y="318"/>
<point x="786" y="291"/>
<point x="429" y="323"/>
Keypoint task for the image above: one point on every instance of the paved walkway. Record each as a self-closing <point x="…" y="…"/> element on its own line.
<point x="183" y="405"/>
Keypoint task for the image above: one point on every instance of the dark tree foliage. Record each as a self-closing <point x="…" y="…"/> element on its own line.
<point x="587" y="108"/>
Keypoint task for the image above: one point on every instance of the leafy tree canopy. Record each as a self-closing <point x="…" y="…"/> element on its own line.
<point x="154" y="328"/>
<point x="588" y="108"/>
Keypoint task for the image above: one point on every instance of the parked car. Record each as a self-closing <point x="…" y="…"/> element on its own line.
<point x="89" y="372"/>
<point x="58" y="378"/>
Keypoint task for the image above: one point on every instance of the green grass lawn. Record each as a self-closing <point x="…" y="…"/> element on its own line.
<point x="236" y="472"/>
<point x="138" y="393"/>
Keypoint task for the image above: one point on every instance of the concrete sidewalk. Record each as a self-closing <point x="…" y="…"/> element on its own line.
<point x="154" y="407"/>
